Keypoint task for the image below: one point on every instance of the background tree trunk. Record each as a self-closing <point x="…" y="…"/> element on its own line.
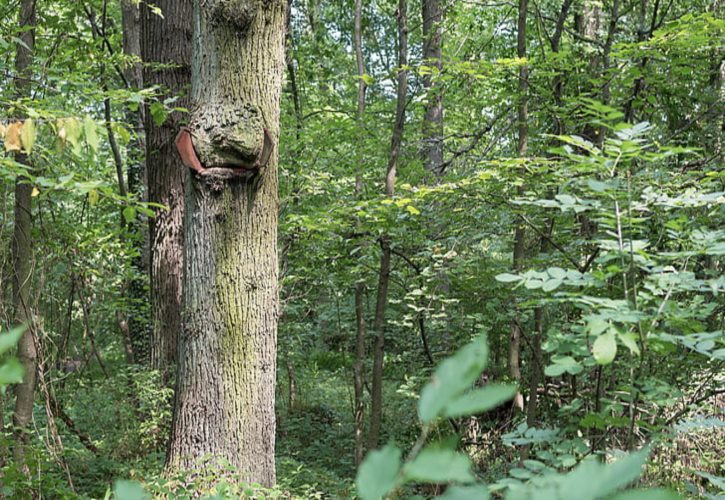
<point x="166" y="40"/>
<point x="520" y="233"/>
<point x="376" y="410"/>
<point x="359" y="368"/>
<point x="433" y="56"/>
<point x="227" y="347"/>
<point x="23" y="253"/>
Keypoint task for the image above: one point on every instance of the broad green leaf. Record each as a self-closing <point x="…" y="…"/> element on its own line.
<point x="605" y="348"/>
<point x="129" y="490"/>
<point x="435" y="465"/>
<point x="654" y="494"/>
<point x="158" y="113"/>
<point x="376" y="475"/>
<point x="507" y="278"/>
<point x="630" y="342"/>
<point x="591" y="480"/>
<point x="552" y="285"/>
<point x="480" y="400"/>
<point x="474" y="492"/>
<point x="556" y="272"/>
<point x="9" y="339"/>
<point x="89" y="130"/>
<point x="452" y="377"/>
<point x="129" y="214"/>
<point x="11" y="372"/>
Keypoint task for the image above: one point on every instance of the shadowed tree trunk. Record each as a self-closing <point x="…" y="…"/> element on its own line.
<point x="166" y="41"/>
<point x="23" y="253"/>
<point x="376" y="410"/>
<point x="227" y="348"/>
<point x="432" y="56"/>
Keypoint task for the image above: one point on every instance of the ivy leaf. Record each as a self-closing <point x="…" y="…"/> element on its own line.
<point x="435" y="465"/>
<point x="605" y="348"/>
<point x="376" y="475"/>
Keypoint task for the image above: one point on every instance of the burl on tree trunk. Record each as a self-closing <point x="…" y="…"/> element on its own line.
<point x="224" y="408"/>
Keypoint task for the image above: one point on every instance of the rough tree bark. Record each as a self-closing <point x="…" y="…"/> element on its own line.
<point x="23" y="253"/>
<point x="227" y="347"/>
<point x="359" y="368"/>
<point x="376" y="409"/>
<point x="433" y="57"/>
<point x="166" y="48"/>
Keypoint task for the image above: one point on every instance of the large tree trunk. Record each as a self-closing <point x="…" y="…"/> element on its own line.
<point x="433" y="57"/>
<point x="166" y="40"/>
<point x="23" y="254"/>
<point x="227" y="347"/>
<point x="376" y="407"/>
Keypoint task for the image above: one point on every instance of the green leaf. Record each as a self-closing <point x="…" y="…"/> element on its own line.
<point x="435" y="465"/>
<point x="480" y="400"/>
<point x="376" y="475"/>
<point x="129" y="214"/>
<point x="158" y="113"/>
<point x="11" y="372"/>
<point x="129" y="490"/>
<point x="89" y="129"/>
<point x="9" y="339"/>
<point x="452" y="377"/>
<point x="477" y="492"/>
<point x="630" y="342"/>
<point x="605" y="348"/>
<point x="557" y="272"/>
<point x="507" y="278"/>
<point x="591" y="480"/>
<point x="552" y="285"/>
<point x="654" y="494"/>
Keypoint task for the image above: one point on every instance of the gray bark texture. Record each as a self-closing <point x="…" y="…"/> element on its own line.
<point x="166" y="41"/>
<point x="227" y="348"/>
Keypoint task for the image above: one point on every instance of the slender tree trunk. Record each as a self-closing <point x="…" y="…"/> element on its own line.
<point x="227" y="348"/>
<point x="514" y="362"/>
<point x="376" y="411"/>
<point x="167" y="41"/>
<point x="23" y="254"/>
<point x="359" y="368"/>
<point x="433" y="57"/>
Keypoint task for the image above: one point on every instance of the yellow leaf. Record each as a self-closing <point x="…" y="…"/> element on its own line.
<point x="92" y="197"/>
<point x="35" y="192"/>
<point x="62" y="133"/>
<point x="2" y="130"/>
<point x="27" y="135"/>
<point x="12" y="137"/>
